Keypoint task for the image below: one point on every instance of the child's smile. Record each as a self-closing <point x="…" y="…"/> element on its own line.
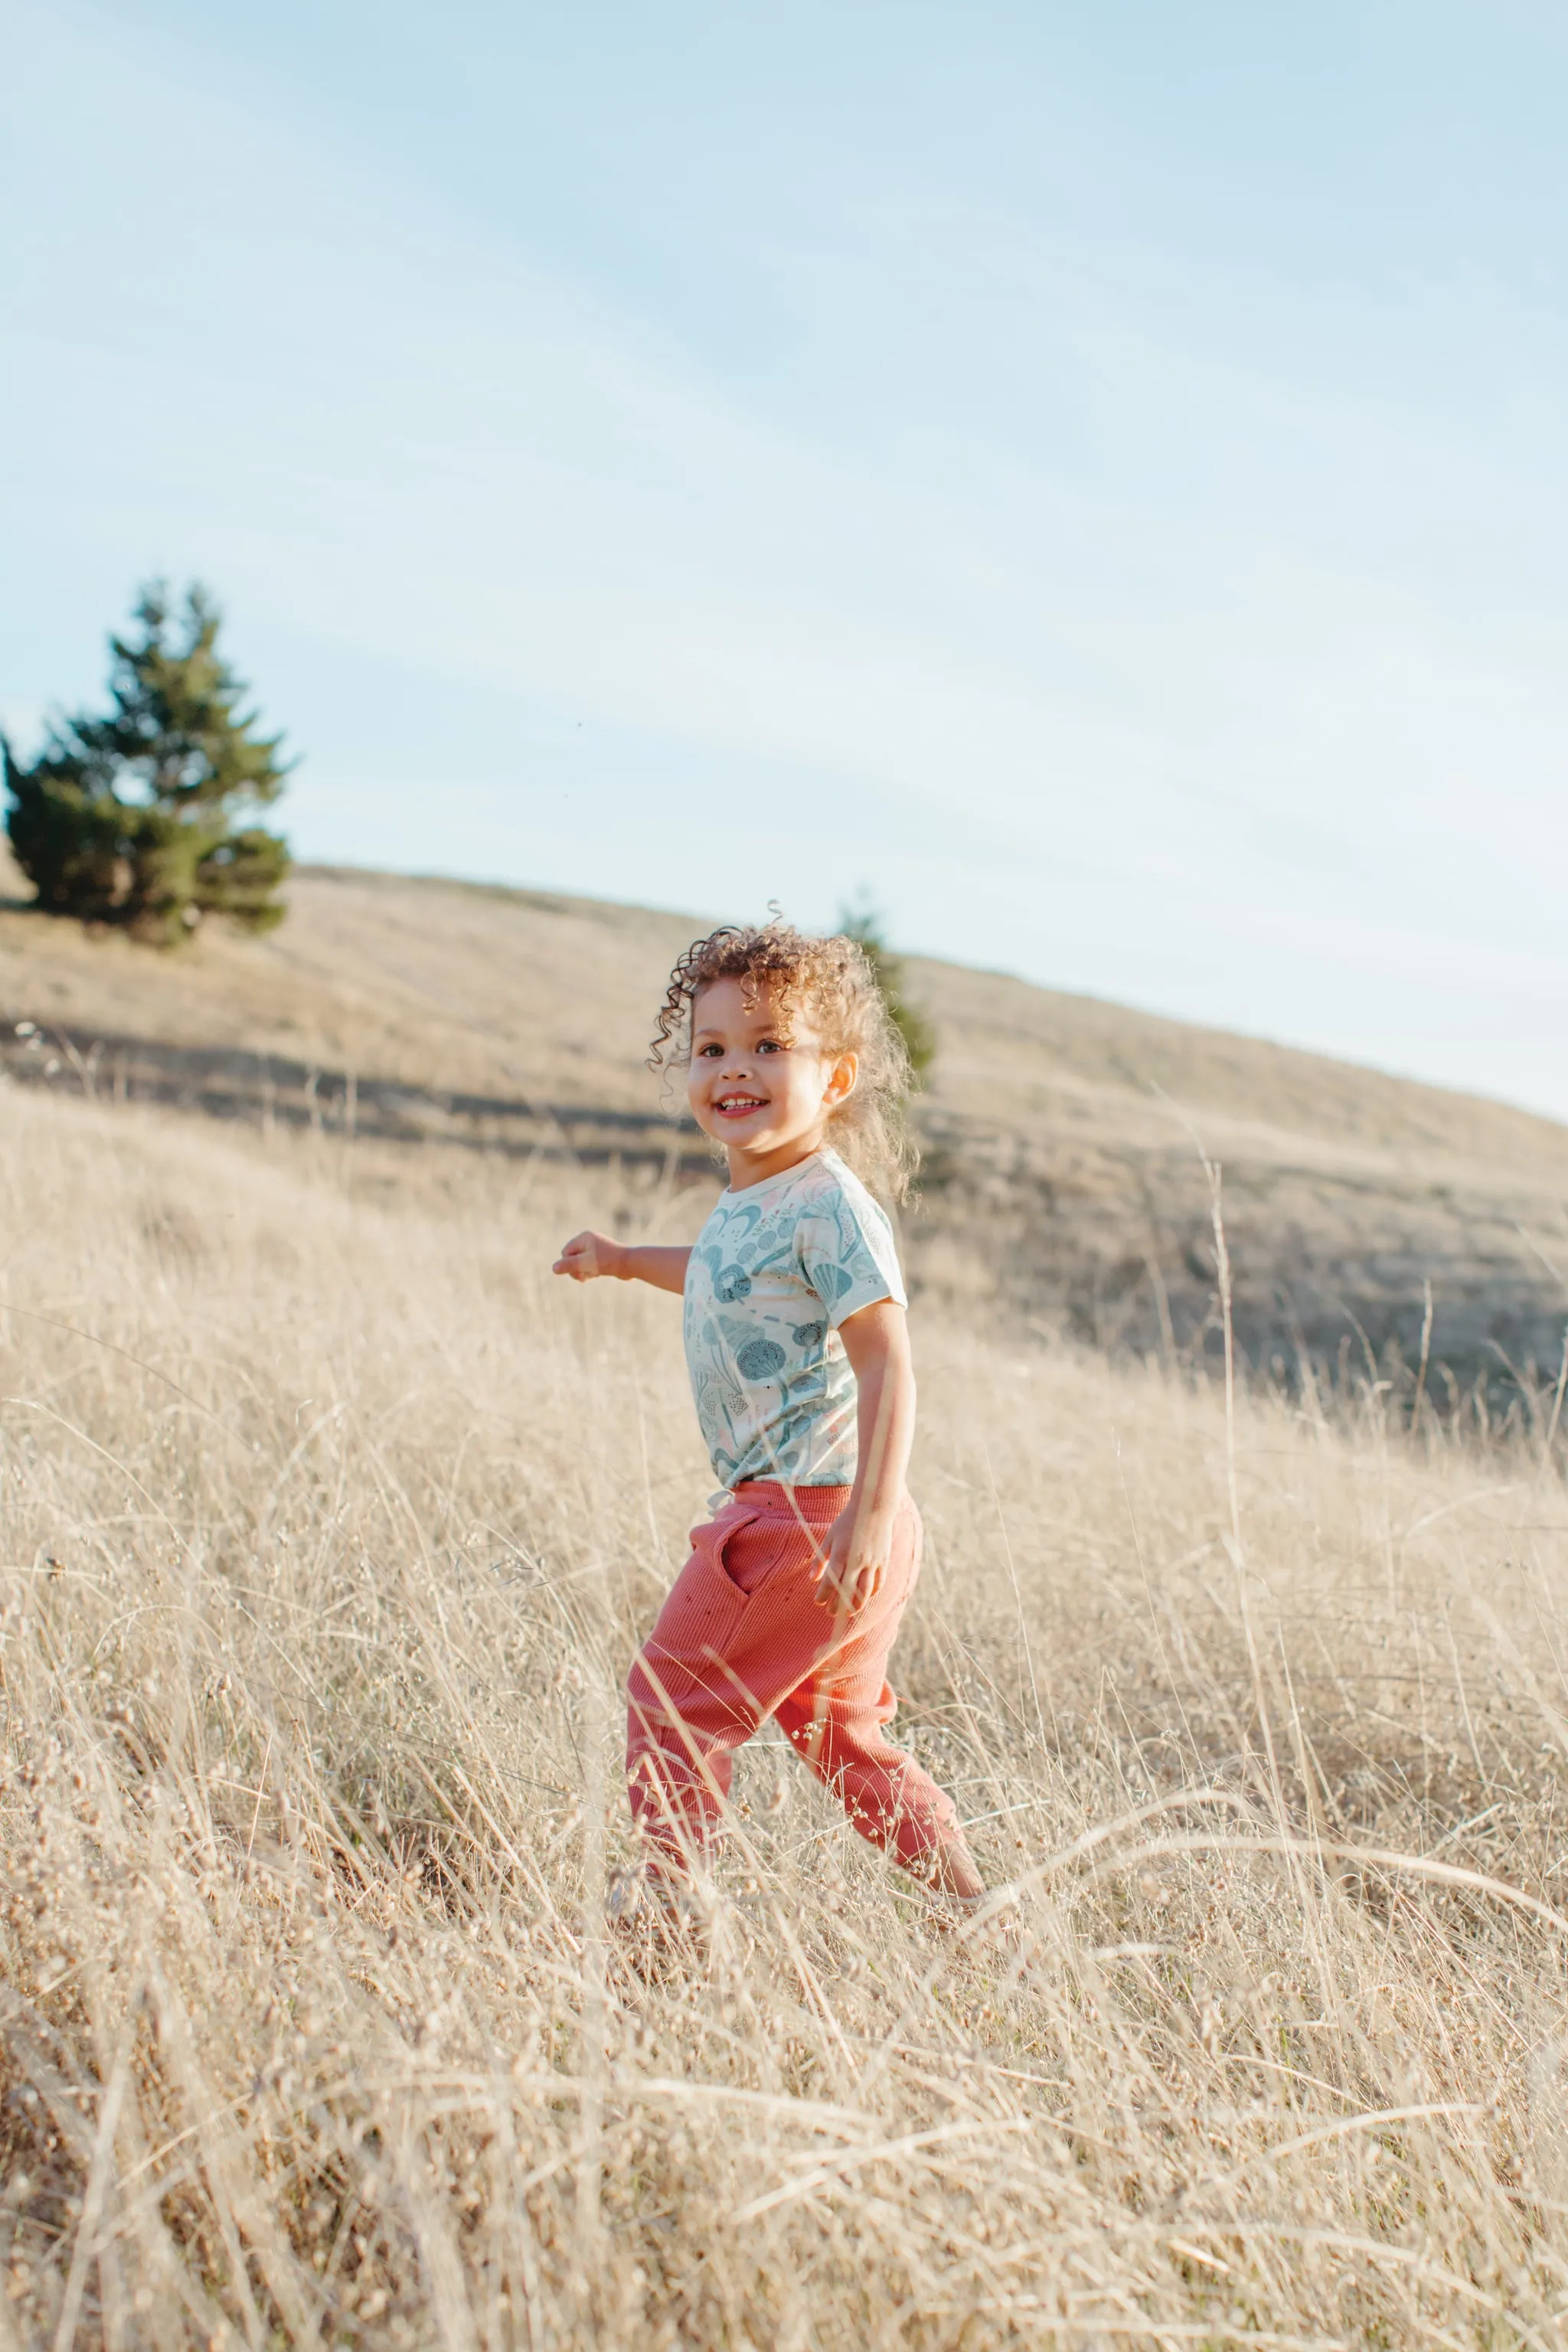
<point x="739" y="1106"/>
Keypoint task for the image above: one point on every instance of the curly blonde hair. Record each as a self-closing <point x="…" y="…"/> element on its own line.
<point x="831" y="984"/>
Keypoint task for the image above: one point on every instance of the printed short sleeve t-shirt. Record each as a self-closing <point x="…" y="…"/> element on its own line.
<point x="773" y="1273"/>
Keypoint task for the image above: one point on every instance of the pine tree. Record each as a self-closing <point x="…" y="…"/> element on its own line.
<point x="864" y="924"/>
<point x="135" y="818"/>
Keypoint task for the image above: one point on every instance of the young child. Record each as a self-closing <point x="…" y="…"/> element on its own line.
<point x="799" y="1359"/>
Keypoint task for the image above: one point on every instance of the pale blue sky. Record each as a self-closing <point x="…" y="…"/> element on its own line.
<point x="1094" y="475"/>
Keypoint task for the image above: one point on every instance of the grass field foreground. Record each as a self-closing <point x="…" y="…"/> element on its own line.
<point x="327" y="1524"/>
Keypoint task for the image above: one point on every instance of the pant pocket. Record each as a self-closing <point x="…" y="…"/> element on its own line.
<point x="756" y="1553"/>
<point x="700" y="1617"/>
<point x="714" y="1541"/>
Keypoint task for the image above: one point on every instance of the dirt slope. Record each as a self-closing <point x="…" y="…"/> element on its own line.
<point x="1064" y="1180"/>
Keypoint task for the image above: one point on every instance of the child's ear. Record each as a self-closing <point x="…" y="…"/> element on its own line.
<point x="842" y="1079"/>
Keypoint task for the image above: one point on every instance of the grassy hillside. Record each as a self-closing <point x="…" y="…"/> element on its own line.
<point x="1064" y="1180"/>
<point x="328" y="1523"/>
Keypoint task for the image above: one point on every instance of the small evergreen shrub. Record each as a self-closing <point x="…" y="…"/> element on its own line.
<point x="141" y="817"/>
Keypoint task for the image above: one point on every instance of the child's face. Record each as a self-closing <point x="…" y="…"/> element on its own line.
<point x="764" y="1086"/>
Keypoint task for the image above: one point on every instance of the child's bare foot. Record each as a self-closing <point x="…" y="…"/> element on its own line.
<point x="947" y="1876"/>
<point x="948" y="1913"/>
<point x="985" y="1922"/>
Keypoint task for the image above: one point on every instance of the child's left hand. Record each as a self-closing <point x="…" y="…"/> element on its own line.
<point x="858" y="1551"/>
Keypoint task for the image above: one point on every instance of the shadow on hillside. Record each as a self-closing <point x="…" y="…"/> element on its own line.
<point x="270" y="1090"/>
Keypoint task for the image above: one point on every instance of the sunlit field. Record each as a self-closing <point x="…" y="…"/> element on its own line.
<point x="329" y="1524"/>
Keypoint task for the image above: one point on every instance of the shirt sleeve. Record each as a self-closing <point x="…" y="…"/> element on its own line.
<point x="848" y="1256"/>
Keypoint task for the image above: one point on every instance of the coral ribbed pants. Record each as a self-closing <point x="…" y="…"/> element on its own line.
<point x="741" y="1636"/>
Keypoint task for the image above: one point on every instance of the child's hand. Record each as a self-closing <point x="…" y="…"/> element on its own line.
<point x="588" y="1255"/>
<point x="858" y="1551"/>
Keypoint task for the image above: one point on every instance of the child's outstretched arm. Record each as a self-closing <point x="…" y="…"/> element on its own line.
<point x="588" y="1256"/>
<point x="876" y="1341"/>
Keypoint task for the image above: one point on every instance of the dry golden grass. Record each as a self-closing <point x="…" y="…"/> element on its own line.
<point x="1059" y="1122"/>
<point x="327" y="1528"/>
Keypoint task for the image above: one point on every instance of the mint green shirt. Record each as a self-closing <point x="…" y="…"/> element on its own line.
<point x="773" y="1273"/>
